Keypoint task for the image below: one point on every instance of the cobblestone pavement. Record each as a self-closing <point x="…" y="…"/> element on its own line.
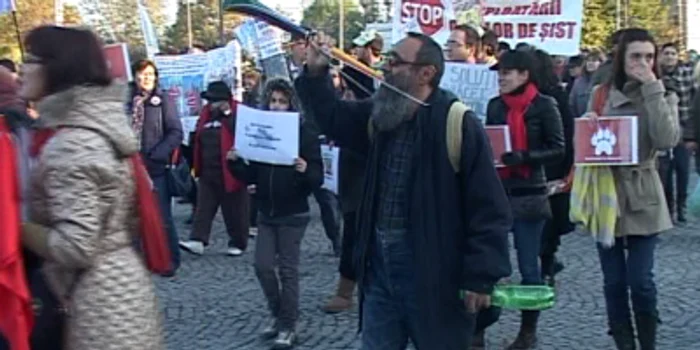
<point x="215" y="302"/>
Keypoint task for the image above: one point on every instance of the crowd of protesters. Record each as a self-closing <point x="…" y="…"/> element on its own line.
<point x="413" y="225"/>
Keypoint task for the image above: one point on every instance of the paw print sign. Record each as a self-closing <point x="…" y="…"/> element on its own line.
<point x="611" y="141"/>
<point x="604" y="142"/>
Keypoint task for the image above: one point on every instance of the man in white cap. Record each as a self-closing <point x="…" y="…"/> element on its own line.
<point x="369" y="46"/>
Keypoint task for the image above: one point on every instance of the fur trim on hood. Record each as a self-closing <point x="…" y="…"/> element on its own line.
<point x="280" y="84"/>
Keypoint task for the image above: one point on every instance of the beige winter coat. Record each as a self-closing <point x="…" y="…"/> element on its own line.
<point x="643" y="209"/>
<point x="83" y="191"/>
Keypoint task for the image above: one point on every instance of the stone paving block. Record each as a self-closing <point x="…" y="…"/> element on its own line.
<point x="215" y="302"/>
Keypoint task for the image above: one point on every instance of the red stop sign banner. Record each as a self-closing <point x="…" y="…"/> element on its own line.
<point x="430" y="14"/>
<point x="611" y="141"/>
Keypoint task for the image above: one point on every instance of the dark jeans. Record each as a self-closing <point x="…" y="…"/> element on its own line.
<point x="234" y="209"/>
<point x="630" y="272"/>
<point x="253" y="212"/>
<point x="679" y="164"/>
<point x="390" y="308"/>
<point x="330" y="213"/>
<point x="527" y="235"/>
<point x="347" y="268"/>
<point x="279" y="245"/>
<point x="165" y="199"/>
<point x="194" y="193"/>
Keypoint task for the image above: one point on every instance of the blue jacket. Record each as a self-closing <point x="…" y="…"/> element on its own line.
<point x="162" y="131"/>
<point x="458" y="225"/>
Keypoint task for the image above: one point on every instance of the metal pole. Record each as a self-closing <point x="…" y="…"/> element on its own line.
<point x="221" y="22"/>
<point x="341" y="35"/>
<point x="189" y="25"/>
<point x="19" y="35"/>
<point x="617" y="15"/>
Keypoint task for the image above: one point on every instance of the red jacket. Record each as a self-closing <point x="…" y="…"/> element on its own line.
<point x="227" y="139"/>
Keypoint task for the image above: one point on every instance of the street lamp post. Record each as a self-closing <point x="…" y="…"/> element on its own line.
<point x="341" y="27"/>
<point x="189" y="24"/>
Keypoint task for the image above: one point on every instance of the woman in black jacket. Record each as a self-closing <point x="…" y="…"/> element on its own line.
<point x="158" y="129"/>
<point x="558" y="173"/>
<point x="537" y="139"/>
<point x="281" y="193"/>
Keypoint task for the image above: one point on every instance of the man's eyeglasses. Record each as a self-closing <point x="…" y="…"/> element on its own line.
<point x="394" y="60"/>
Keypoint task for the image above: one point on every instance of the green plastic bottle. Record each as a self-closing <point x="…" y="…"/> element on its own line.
<point x="518" y="297"/>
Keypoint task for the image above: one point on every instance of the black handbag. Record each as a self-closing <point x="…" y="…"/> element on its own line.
<point x="49" y="314"/>
<point x="179" y="179"/>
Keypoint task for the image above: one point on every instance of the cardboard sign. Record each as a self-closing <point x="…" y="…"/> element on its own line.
<point x="118" y="61"/>
<point x="499" y="136"/>
<point x="612" y="141"/>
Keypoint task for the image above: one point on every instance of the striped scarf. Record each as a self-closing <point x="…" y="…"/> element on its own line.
<point x="594" y="203"/>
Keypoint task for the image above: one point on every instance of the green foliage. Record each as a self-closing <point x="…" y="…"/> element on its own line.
<point x="117" y="21"/>
<point x="323" y="15"/>
<point x="599" y="20"/>
<point x="30" y="13"/>
<point x="204" y="16"/>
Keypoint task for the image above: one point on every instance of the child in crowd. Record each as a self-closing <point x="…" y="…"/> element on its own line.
<point x="281" y="193"/>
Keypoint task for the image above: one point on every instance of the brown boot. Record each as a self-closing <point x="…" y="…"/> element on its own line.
<point x="527" y="337"/>
<point x="342" y="300"/>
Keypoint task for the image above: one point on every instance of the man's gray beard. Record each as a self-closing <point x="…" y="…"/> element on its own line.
<point x="390" y="108"/>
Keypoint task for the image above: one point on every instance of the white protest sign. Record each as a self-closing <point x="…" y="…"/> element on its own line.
<point x="474" y="84"/>
<point x="434" y="18"/>
<point x="330" y="156"/>
<point x="267" y="137"/>
<point x="551" y="25"/>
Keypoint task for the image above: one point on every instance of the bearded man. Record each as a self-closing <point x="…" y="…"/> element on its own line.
<point x="425" y="234"/>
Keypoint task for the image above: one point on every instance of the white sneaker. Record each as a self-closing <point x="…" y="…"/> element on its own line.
<point x="193" y="247"/>
<point x="271" y="331"/>
<point x="234" y="252"/>
<point x="285" y="340"/>
<point x="253" y="232"/>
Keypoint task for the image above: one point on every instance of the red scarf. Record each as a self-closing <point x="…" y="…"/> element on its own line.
<point x="151" y="230"/>
<point x="517" y="106"/>
<point x="16" y="317"/>
<point x="227" y="138"/>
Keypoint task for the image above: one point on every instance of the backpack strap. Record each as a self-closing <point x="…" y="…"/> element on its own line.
<point x="453" y="133"/>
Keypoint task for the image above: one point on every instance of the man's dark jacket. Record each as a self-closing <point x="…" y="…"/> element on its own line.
<point x="458" y="224"/>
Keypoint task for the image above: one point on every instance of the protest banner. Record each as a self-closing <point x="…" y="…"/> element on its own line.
<point x="269" y="40"/>
<point x="434" y="18"/>
<point x="612" y="141"/>
<point x="474" y="84"/>
<point x="246" y="35"/>
<point x="551" y="25"/>
<point x="330" y="156"/>
<point x="189" y="125"/>
<point x="499" y="138"/>
<point x="118" y="61"/>
<point x="266" y="136"/>
<point x="183" y="77"/>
